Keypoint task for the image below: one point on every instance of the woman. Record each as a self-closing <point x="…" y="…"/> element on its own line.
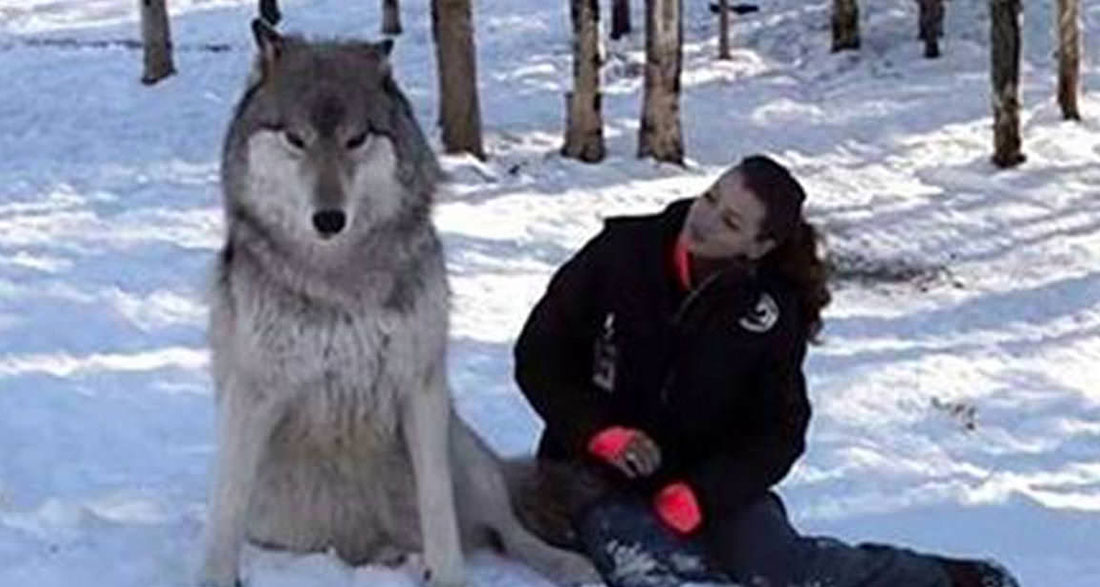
<point x="666" y="360"/>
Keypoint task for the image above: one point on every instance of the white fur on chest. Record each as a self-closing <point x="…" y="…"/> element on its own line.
<point x="339" y="371"/>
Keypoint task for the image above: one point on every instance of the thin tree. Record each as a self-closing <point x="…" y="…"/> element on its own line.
<point x="724" y="29"/>
<point x="620" y="18"/>
<point x="269" y="11"/>
<point x="1005" y="74"/>
<point x="931" y="26"/>
<point x="459" y="111"/>
<point x="845" y="25"/>
<point x="1069" y="57"/>
<point x="391" y="17"/>
<point x="157" y="40"/>
<point x="583" y="122"/>
<point x="660" y="135"/>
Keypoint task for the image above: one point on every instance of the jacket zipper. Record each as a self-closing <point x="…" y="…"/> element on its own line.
<point x="677" y="318"/>
<point x="693" y="296"/>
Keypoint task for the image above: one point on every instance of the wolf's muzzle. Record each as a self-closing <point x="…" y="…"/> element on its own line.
<point x="329" y="222"/>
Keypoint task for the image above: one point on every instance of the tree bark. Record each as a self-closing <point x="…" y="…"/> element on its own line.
<point x="459" y="111"/>
<point x="584" y="123"/>
<point x="724" y="29"/>
<point x="269" y="11"/>
<point x="157" y="39"/>
<point x="660" y="135"/>
<point x="1069" y="57"/>
<point x="1005" y="74"/>
<point x="931" y="26"/>
<point x="391" y="17"/>
<point x="845" y="25"/>
<point x="620" y="18"/>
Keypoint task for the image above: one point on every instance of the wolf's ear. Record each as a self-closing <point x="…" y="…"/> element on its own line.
<point x="380" y="51"/>
<point x="268" y="41"/>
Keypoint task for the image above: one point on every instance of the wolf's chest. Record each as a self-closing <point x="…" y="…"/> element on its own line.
<point x="291" y="343"/>
<point x="323" y="347"/>
<point x="331" y="368"/>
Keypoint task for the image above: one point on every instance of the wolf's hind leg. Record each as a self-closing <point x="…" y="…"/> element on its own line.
<point x="560" y="566"/>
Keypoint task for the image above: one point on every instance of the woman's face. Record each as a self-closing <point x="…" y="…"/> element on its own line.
<point x="724" y="222"/>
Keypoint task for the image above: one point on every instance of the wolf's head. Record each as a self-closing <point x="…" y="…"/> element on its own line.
<point x="324" y="149"/>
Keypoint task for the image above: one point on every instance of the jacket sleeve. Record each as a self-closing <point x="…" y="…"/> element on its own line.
<point x="747" y="468"/>
<point x="554" y="353"/>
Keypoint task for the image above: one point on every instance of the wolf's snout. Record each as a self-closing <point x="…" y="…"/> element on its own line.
<point x="329" y="222"/>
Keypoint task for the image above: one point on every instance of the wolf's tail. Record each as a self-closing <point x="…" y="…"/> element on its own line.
<point x="547" y="496"/>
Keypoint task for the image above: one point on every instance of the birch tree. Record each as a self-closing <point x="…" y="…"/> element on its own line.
<point x="157" y="41"/>
<point x="660" y="135"/>
<point x="1069" y="57"/>
<point x="1005" y="74"/>
<point x="456" y="59"/>
<point x="845" y="25"/>
<point x="584" y="123"/>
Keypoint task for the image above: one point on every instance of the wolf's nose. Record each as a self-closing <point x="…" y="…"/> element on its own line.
<point x="329" y="222"/>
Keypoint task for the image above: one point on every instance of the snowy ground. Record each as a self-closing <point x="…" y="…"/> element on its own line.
<point x="956" y="399"/>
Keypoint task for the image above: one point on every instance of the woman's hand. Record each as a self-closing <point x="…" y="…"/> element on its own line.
<point x="629" y="450"/>
<point x="641" y="458"/>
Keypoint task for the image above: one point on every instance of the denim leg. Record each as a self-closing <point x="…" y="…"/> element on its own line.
<point x="631" y="548"/>
<point x="758" y="546"/>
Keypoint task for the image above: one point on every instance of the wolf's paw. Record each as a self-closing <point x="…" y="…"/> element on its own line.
<point x="576" y="570"/>
<point x="394" y="558"/>
<point x="219" y="574"/>
<point x="455" y="577"/>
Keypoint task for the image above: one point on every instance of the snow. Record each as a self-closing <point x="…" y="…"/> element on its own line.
<point x="956" y="400"/>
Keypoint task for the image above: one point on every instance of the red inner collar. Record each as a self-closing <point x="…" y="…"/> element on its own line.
<point x="681" y="262"/>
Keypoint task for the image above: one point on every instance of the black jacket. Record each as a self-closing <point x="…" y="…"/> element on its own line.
<point x="713" y="376"/>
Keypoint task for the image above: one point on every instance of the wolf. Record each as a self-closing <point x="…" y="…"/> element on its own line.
<point x="328" y="333"/>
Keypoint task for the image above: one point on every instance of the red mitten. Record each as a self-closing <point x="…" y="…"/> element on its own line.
<point x="677" y="506"/>
<point x="609" y="443"/>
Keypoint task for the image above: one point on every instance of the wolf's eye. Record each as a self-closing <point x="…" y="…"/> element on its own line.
<point x="294" y="140"/>
<point x="356" y="141"/>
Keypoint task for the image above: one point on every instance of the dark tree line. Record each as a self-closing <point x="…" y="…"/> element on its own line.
<point x="660" y="133"/>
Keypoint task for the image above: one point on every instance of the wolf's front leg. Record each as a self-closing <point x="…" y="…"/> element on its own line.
<point x="425" y="419"/>
<point x="244" y="429"/>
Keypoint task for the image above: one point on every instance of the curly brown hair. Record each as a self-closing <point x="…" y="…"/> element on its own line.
<point x="795" y="257"/>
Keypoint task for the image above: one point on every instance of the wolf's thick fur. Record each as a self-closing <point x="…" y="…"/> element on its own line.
<point x="335" y="427"/>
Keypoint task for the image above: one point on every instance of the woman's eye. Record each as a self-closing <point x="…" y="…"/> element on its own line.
<point x="729" y="223"/>
<point x="357" y="141"/>
<point x="294" y="140"/>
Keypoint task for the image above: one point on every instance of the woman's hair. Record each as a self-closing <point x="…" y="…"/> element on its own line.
<point x="795" y="256"/>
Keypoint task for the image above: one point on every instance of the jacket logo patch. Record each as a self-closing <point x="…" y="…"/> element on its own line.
<point x="763" y="316"/>
<point x="603" y="363"/>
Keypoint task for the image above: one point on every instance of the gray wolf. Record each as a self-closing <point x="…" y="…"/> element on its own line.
<point x="328" y="331"/>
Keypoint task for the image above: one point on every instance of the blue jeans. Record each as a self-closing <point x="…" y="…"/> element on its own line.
<point x="756" y="547"/>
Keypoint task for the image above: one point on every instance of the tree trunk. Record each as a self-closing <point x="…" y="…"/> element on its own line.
<point x="583" y="122"/>
<point x="1069" y="57"/>
<point x="269" y="11"/>
<point x="1005" y="47"/>
<point x="620" y="18"/>
<point x="459" y="112"/>
<point x="157" y="40"/>
<point x="931" y="26"/>
<point x="660" y="136"/>
<point x="845" y="25"/>
<point x="391" y="17"/>
<point x="724" y="29"/>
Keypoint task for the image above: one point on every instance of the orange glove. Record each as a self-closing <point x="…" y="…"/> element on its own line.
<point x="677" y="506"/>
